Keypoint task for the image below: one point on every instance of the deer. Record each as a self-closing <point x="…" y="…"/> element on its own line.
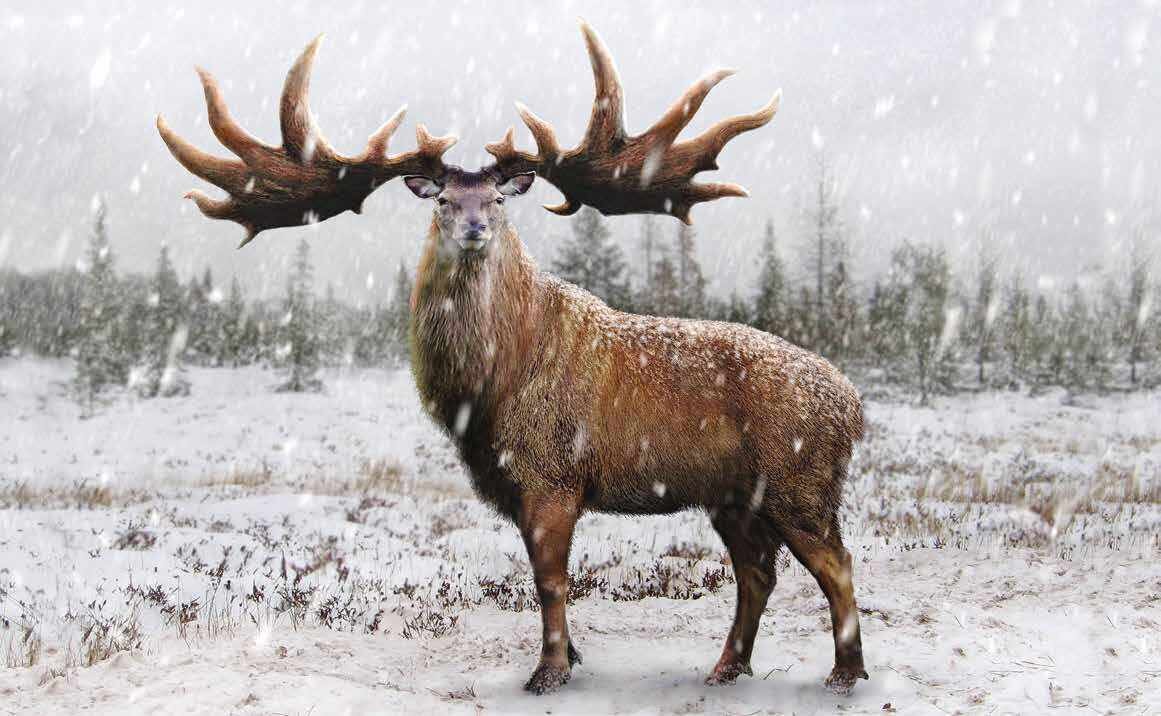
<point x="558" y="404"/>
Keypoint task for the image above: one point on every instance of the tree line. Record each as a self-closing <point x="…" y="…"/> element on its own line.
<point x="918" y="325"/>
<point x="142" y="331"/>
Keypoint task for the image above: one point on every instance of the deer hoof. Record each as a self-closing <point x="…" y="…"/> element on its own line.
<point x="842" y="680"/>
<point x="546" y="679"/>
<point x="727" y="672"/>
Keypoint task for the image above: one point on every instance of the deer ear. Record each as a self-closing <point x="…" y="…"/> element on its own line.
<point x="516" y="185"/>
<point x="421" y="186"/>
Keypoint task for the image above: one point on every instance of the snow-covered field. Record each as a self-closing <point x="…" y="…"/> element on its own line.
<point x="241" y="551"/>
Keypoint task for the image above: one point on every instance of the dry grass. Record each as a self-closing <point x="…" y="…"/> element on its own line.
<point x="80" y="495"/>
<point x="102" y="638"/>
<point x="1049" y="498"/>
<point x="247" y="478"/>
<point x="24" y="647"/>
<point x="378" y="476"/>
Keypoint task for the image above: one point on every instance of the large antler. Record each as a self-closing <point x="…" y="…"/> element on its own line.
<point x="304" y="180"/>
<point x="620" y="174"/>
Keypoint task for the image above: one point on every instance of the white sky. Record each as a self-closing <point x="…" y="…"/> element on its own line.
<point x="1033" y="124"/>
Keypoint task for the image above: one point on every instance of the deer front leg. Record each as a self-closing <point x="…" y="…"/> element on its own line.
<point x="546" y="524"/>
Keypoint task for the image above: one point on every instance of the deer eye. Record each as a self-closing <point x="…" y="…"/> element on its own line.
<point x="441" y="201"/>
<point x="499" y="200"/>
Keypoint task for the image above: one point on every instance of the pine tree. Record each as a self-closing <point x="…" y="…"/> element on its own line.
<point x="666" y="289"/>
<point x="7" y="323"/>
<point x="1075" y="339"/>
<point x="690" y="281"/>
<point x="918" y="289"/>
<point x="13" y="304"/>
<point x="843" y="313"/>
<point x="591" y="260"/>
<point x="231" y="349"/>
<point x="399" y="317"/>
<point x="886" y="312"/>
<point x="737" y="310"/>
<point x="1151" y="339"/>
<point x="100" y="361"/>
<point x="205" y="322"/>
<point x="331" y="331"/>
<point x="824" y="230"/>
<point x="981" y="325"/>
<point x="1016" y="332"/>
<point x="644" y="298"/>
<point x="166" y="336"/>
<point x="771" y="313"/>
<point x="300" y="347"/>
<point x="1109" y="313"/>
<point x="1138" y="312"/>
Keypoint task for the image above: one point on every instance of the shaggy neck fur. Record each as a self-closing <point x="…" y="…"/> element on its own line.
<point x="472" y="329"/>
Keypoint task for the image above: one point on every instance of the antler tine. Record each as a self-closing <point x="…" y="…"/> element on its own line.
<point x="607" y="121"/>
<point x="229" y="132"/>
<point x="229" y="174"/>
<point x="377" y="142"/>
<point x="300" y="136"/>
<point x="546" y="145"/>
<point x="213" y="208"/>
<point x="427" y="158"/>
<point x="713" y="140"/>
<point x="665" y="130"/>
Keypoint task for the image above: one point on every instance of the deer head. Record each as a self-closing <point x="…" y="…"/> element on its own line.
<point x="304" y="180"/>
<point x="469" y="206"/>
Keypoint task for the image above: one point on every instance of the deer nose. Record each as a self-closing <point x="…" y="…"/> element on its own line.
<point x="475" y="230"/>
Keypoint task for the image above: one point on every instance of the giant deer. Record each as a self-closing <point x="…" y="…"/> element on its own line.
<point x="557" y="403"/>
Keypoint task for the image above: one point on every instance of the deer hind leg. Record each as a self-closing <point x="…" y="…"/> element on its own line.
<point x="829" y="562"/>
<point x="753" y="546"/>
<point x="546" y="524"/>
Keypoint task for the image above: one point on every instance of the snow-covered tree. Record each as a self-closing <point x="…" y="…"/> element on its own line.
<point x="591" y="260"/>
<point x="11" y="305"/>
<point x="1016" y="334"/>
<point x="1083" y="347"/>
<point x="332" y="332"/>
<point x="166" y="335"/>
<point x="771" y="310"/>
<point x="205" y="319"/>
<point x="1138" y="314"/>
<point x="691" y="282"/>
<point x="666" y="299"/>
<point x="643" y="300"/>
<point x="400" y="312"/>
<point x="100" y="359"/>
<point x="299" y="334"/>
<point x="231" y="349"/>
<point x="823" y="234"/>
<point x="981" y="326"/>
<point x="735" y="309"/>
<point x="916" y="298"/>
<point x="843" y="313"/>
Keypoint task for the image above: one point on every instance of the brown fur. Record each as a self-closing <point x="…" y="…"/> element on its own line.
<point x="560" y="404"/>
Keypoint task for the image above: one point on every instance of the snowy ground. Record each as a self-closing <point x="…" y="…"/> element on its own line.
<point x="240" y="551"/>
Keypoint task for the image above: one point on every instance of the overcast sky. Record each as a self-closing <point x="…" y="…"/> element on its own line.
<point x="1030" y="126"/>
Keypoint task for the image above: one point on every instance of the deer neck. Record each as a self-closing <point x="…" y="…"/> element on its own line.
<point x="472" y="328"/>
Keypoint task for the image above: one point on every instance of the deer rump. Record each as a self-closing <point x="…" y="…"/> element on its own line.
<point x="558" y="403"/>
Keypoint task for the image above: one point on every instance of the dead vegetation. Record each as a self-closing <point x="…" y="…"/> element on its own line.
<point x="134" y="537"/>
<point x="24" y="646"/>
<point x="246" y="478"/>
<point x="81" y="494"/>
